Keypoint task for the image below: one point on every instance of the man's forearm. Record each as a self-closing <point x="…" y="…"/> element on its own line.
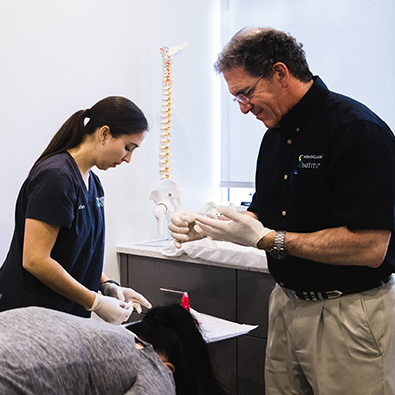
<point x="335" y="246"/>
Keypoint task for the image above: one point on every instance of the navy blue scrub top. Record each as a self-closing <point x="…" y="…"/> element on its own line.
<point x="55" y="193"/>
<point x="331" y="163"/>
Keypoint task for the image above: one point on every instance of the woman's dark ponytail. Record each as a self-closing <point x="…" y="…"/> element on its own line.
<point x="69" y="136"/>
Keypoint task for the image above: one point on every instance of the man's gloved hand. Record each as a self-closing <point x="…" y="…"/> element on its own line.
<point x="182" y="226"/>
<point x="125" y="295"/>
<point x="111" y="309"/>
<point x="237" y="228"/>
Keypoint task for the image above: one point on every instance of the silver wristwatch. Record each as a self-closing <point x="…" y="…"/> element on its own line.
<point x="278" y="250"/>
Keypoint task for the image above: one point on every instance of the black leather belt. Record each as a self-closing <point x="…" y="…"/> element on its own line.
<point x="321" y="295"/>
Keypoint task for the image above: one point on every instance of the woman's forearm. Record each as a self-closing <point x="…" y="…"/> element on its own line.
<point x="40" y="237"/>
<point x="55" y="277"/>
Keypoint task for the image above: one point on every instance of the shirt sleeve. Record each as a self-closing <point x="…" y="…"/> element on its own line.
<point x="153" y="376"/>
<point x="51" y="198"/>
<point x="253" y="207"/>
<point x="363" y="166"/>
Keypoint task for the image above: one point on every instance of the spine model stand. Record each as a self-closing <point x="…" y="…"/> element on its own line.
<point x="167" y="194"/>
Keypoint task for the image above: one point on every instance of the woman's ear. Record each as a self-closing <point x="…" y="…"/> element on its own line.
<point x="104" y="133"/>
<point x="170" y="366"/>
<point x="166" y="362"/>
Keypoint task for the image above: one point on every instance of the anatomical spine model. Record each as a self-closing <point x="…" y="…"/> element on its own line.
<point x="167" y="194"/>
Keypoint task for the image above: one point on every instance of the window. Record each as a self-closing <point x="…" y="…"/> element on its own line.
<point x="343" y="41"/>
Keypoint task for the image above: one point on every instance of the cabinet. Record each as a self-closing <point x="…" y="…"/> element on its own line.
<point x="229" y="293"/>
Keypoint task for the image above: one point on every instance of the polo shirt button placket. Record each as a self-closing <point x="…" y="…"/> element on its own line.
<point x="285" y="177"/>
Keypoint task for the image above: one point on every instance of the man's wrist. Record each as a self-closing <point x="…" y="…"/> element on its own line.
<point x="278" y="251"/>
<point x="267" y="242"/>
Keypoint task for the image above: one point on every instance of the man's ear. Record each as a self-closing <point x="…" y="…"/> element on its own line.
<point x="170" y="366"/>
<point x="280" y="70"/>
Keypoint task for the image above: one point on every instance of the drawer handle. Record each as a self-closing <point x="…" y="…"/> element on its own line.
<point x="171" y="291"/>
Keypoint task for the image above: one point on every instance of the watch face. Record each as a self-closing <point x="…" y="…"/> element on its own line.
<point x="278" y="254"/>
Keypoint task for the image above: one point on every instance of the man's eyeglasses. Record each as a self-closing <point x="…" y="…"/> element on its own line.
<point x="243" y="98"/>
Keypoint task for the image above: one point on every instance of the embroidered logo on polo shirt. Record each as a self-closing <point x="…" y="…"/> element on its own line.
<point x="309" y="161"/>
<point x="100" y="201"/>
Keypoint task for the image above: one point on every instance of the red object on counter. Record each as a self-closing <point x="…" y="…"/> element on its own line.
<point x="185" y="301"/>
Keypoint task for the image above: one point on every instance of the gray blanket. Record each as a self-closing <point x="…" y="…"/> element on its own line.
<point x="47" y="352"/>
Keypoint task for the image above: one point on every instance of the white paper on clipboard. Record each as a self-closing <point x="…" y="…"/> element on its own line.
<point x="215" y="329"/>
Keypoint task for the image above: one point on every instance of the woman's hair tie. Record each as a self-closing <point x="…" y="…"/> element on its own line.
<point x="87" y="113"/>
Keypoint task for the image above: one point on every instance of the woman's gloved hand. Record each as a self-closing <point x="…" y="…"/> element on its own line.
<point x="237" y="228"/>
<point x="111" y="309"/>
<point x="182" y="226"/>
<point x="125" y="295"/>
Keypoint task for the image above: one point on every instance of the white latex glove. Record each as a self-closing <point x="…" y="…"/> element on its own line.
<point x="237" y="228"/>
<point x="111" y="309"/>
<point x="182" y="226"/>
<point x="127" y="295"/>
<point x="136" y="298"/>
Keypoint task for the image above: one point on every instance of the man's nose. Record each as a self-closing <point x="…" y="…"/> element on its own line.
<point x="245" y="108"/>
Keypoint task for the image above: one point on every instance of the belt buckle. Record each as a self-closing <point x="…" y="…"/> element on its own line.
<point x="333" y="294"/>
<point x="316" y="295"/>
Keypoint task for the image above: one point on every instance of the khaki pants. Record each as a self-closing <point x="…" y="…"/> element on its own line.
<point x="342" y="346"/>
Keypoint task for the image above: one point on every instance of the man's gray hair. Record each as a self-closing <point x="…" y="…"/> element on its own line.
<point x="258" y="49"/>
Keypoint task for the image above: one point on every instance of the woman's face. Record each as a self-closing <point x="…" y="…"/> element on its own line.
<point x="113" y="151"/>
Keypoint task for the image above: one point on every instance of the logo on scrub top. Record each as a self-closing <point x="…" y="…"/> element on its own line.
<point x="100" y="201"/>
<point x="309" y="161"/>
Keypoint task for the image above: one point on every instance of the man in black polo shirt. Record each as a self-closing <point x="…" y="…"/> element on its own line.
<point x="323" y="210"/>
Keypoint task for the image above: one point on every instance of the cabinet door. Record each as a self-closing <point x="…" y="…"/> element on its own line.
<point x="223" y="355"/>
<point x="253" y="291"/>
<point x="251" y="365"/>
<point x="211" y="289"/>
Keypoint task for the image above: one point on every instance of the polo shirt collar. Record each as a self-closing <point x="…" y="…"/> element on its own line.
<point x="297" y="116"/>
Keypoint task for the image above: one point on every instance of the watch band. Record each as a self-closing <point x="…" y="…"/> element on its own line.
<point x="278" y="250"/>
<point x="103" y="285"/>
<point x="110" y="282"/>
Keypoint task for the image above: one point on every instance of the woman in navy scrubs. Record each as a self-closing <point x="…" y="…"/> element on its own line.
<point x="56" y="255"/>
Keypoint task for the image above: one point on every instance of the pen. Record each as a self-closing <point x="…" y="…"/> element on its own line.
<point x="292" y="175"/>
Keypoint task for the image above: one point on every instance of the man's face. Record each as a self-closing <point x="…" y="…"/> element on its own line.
<point x="266" y="100"/>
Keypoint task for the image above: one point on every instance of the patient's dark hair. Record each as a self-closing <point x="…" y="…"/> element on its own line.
<point x="120" y="114"/>
<point x="174" y="332"/>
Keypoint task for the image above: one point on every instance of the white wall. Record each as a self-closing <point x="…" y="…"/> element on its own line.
<point x="61" y="56"/>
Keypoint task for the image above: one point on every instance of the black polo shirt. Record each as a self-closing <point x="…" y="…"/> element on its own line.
<point x="331" y="163"/>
